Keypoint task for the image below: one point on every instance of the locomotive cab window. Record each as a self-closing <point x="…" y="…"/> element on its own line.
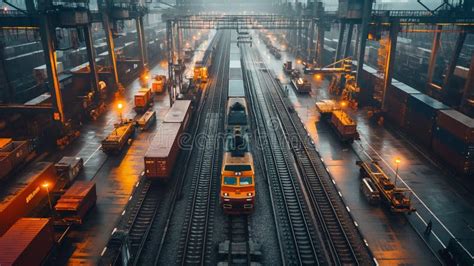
<point x="228" y="180"/>
<point x="246" y="180"/>
<point x="238" y="168"/>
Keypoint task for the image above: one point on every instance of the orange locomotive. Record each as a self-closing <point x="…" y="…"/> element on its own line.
<point x="238" y="174"/>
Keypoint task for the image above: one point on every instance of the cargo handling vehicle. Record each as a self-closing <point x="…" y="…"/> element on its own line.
<point x="119" y="137"/>
<point x="143" y="99"/>
<point x="301" y="85"/>
<point x="378" y="187"/>
<point x="344" y="126"/>
<point x="200" y="72"/>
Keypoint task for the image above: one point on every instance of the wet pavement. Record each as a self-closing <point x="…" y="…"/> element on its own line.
<point x="391" y="238"/>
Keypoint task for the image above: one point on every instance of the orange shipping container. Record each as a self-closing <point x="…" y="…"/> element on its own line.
<point x="22" y="195"/>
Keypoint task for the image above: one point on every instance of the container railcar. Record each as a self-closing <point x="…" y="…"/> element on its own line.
<point x="161" y="155"/>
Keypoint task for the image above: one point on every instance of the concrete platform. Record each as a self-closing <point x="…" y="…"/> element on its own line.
<point x="391" y="238"/>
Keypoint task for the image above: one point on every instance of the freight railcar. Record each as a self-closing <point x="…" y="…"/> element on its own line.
<point x="161" y="156"/>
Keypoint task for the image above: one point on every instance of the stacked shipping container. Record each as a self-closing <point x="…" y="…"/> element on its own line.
<point x="453" y="140"/>
<point x="422" y="111"/>
<point x="396" y="102"/>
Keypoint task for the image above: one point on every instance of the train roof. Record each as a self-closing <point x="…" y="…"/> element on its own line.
<point x="230" y="160"/>
<point x="236" y="88"/>
<point x="235" y="73"/>
<point x="235" y="100"/>
<point x="234" y="64"/>
<point x="177" y="113"/>
<point x="235" y="56"/>
<point x="163" y="141"/>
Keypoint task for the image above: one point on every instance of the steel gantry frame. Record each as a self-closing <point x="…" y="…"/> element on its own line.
<point x="49" y="15"/>
<point x="219" y="22"/>
<point x="394" y="22"/>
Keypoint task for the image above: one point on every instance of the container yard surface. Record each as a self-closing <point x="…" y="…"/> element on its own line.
<point x="115" y="178"/>
<point x="391" y="238"/>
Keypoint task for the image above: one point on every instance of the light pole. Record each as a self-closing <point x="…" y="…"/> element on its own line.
<point x="120" y="107"/>
<point x="397" y="162"/>
<point x="46" y="186"/>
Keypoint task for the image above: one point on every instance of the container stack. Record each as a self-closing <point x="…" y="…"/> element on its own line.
<point x="396" y="102"/>
<point x="421" y="116"/>
<point x="453" y="140"/>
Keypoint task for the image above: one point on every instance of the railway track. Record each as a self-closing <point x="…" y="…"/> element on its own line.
<point x="297" y="238"/>
<point x="342" y="239"/>
<point x="196" y="238"/>
<point x="239" y="252"/>
<point x="142" y="215"/>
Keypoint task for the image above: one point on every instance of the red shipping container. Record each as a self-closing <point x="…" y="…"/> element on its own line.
<point x="23" y="194"/>
<point x="77" y="201"/>
<point x="161" y="155"/>
<point x="27" y="242"/>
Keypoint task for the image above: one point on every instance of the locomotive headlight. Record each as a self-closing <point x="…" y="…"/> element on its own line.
<point x="226" y="194"/>
<point x="249" y="194"/>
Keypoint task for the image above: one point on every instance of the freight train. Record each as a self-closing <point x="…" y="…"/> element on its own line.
<point x="238" y="173"/>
